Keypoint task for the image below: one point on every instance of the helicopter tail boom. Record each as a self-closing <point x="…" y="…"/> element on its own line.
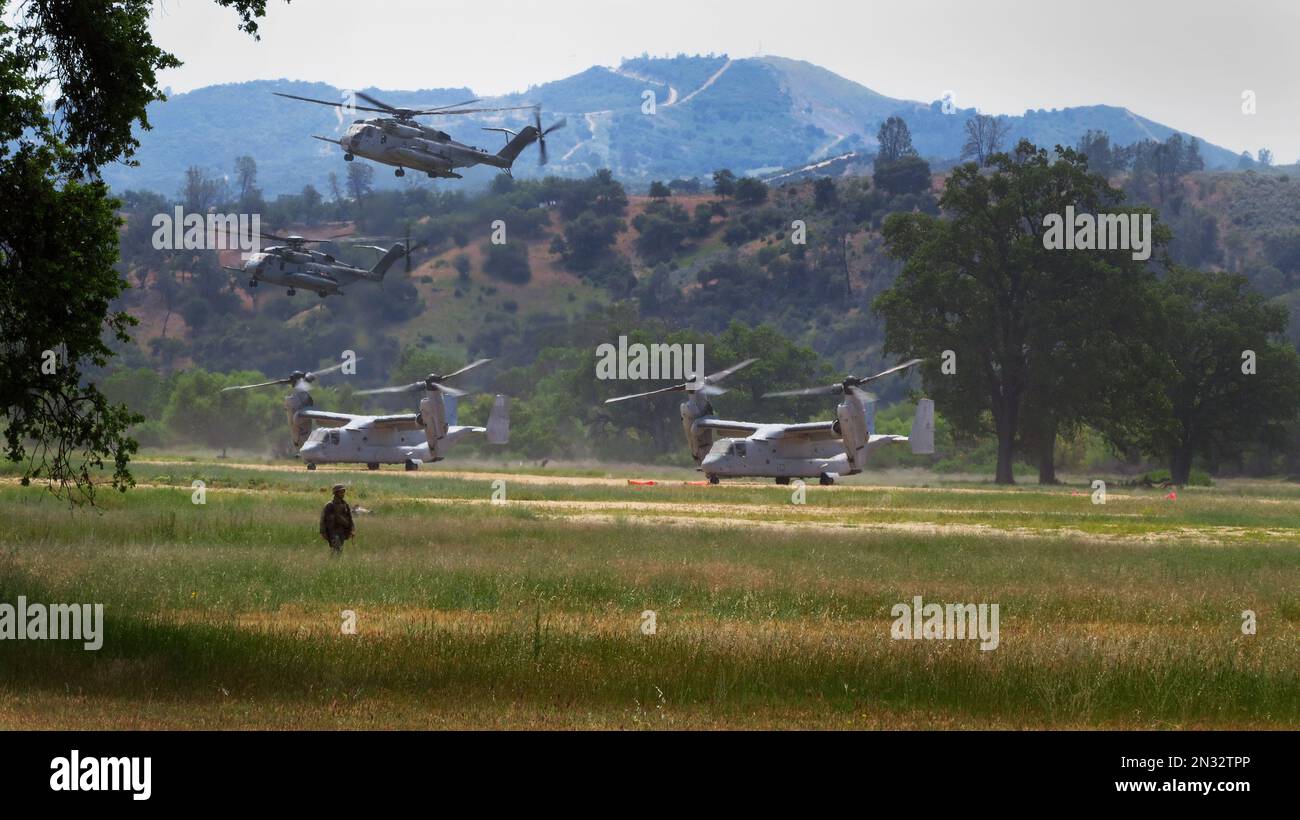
<point x="516" y="146"/>
<point x="381" y="267"/>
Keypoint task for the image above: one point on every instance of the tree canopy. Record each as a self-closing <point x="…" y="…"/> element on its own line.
<point x="58" y="229"/>
<point x="1018" y="319"/>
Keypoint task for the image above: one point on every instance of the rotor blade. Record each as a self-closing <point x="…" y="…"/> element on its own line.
<point x="722" y="374"/>
<point x="449" y="390"/>
<point x="383" y="106"/>
<point x="474" y="110"/>
<point x="893" y="369"/>
<point x="250" y="386"/>
<point x="563" y="121"/>
<point x="438" y="108"/>
<point x="311" y="375"/>
<point x="863" y="396"/>
<point x="469" y="366"/>
<point x="334" y="104"/>
<point x="674" y="388"/>
<point x="405" y="388"/>
<point x="301" y="240"/>
<point x="828" y="390"/>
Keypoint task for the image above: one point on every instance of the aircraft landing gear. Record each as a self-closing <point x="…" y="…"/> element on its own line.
<point x="311" y="466"/>
<point x="783" y="479"/>
<point x="322" y="294"/>
<point x="291" y="291"/>
<point x="252" y="283"/>
<point x="825" y="480"/>
<point x="712" y="478"/>
<point x="348" y="157"/>
<point x="412" y="465"/>
<point x="372" y="466"/>
<point x="399" y="173"/>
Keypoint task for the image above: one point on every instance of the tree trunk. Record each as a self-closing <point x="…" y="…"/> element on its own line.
<point x="1006" y="425"/>
<point x="1047" y="454"/>
<point x="1180" y="465"/>
<point x="1006" y="456"/>
<point x="1047" y="463"/>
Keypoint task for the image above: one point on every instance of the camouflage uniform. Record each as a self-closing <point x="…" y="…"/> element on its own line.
<point x="336" y="524"/>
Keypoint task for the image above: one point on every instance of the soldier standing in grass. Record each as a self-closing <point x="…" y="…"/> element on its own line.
<point x="336" y="522"/>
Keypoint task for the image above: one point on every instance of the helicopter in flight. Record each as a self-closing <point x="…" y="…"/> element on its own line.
<point x="398" y="139"/>
<point x="294" y="265"/>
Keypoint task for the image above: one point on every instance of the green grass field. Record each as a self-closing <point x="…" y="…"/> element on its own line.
<point x="768" y="613"/>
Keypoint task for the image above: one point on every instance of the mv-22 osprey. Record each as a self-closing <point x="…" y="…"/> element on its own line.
<point x="821" y="449"/>
<point x="404" y="438"/>
<point x="399" y="140"/>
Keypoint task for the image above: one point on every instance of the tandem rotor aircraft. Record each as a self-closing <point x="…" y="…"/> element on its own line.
<point x="293" y="265"/>
<point x="404" y="438"/>
<point x="823" y="449"/>
<point x="401" y="141"/>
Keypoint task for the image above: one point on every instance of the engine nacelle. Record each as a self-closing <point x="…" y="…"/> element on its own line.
<point x="294" y="257"/>
<point x="433" y="416"/>
<point x="854" y="429"/>
<point x="701" y="440"/>
<point x="397" y="129"/>
<point x="299" y="428"/>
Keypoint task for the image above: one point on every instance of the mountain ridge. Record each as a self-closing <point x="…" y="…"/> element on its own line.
<point x="647" y="118"/>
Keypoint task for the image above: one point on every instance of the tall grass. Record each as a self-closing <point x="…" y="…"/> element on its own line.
<point x="524" y="616"/>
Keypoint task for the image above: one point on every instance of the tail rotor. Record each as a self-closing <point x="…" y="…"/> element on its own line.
<point x="541" y="133"/>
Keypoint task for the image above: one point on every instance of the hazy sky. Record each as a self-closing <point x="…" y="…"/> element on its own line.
<point x="1183" y="63"/>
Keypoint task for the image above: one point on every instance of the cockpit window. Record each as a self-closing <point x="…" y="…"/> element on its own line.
<point x="739" y="448"/>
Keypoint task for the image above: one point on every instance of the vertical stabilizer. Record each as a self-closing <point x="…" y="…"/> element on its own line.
<point x="922" y="435"/>
<point x="498" y="425"/>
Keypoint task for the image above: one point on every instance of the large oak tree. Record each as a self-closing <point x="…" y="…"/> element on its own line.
<point x="58" y="227"/>
<point x="1042" y="338"/>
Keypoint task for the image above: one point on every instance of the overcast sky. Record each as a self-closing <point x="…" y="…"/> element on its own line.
<point x="1182" y="63"/>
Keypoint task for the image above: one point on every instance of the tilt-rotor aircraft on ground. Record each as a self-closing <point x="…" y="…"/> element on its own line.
<point x="821" y="449"/>
<point x="399" y="140"/>
<point x="405" y="438"/>
<point x="293" y="265"/>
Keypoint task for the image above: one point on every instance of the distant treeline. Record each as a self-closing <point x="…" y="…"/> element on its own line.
<point x="835" y="269"/>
